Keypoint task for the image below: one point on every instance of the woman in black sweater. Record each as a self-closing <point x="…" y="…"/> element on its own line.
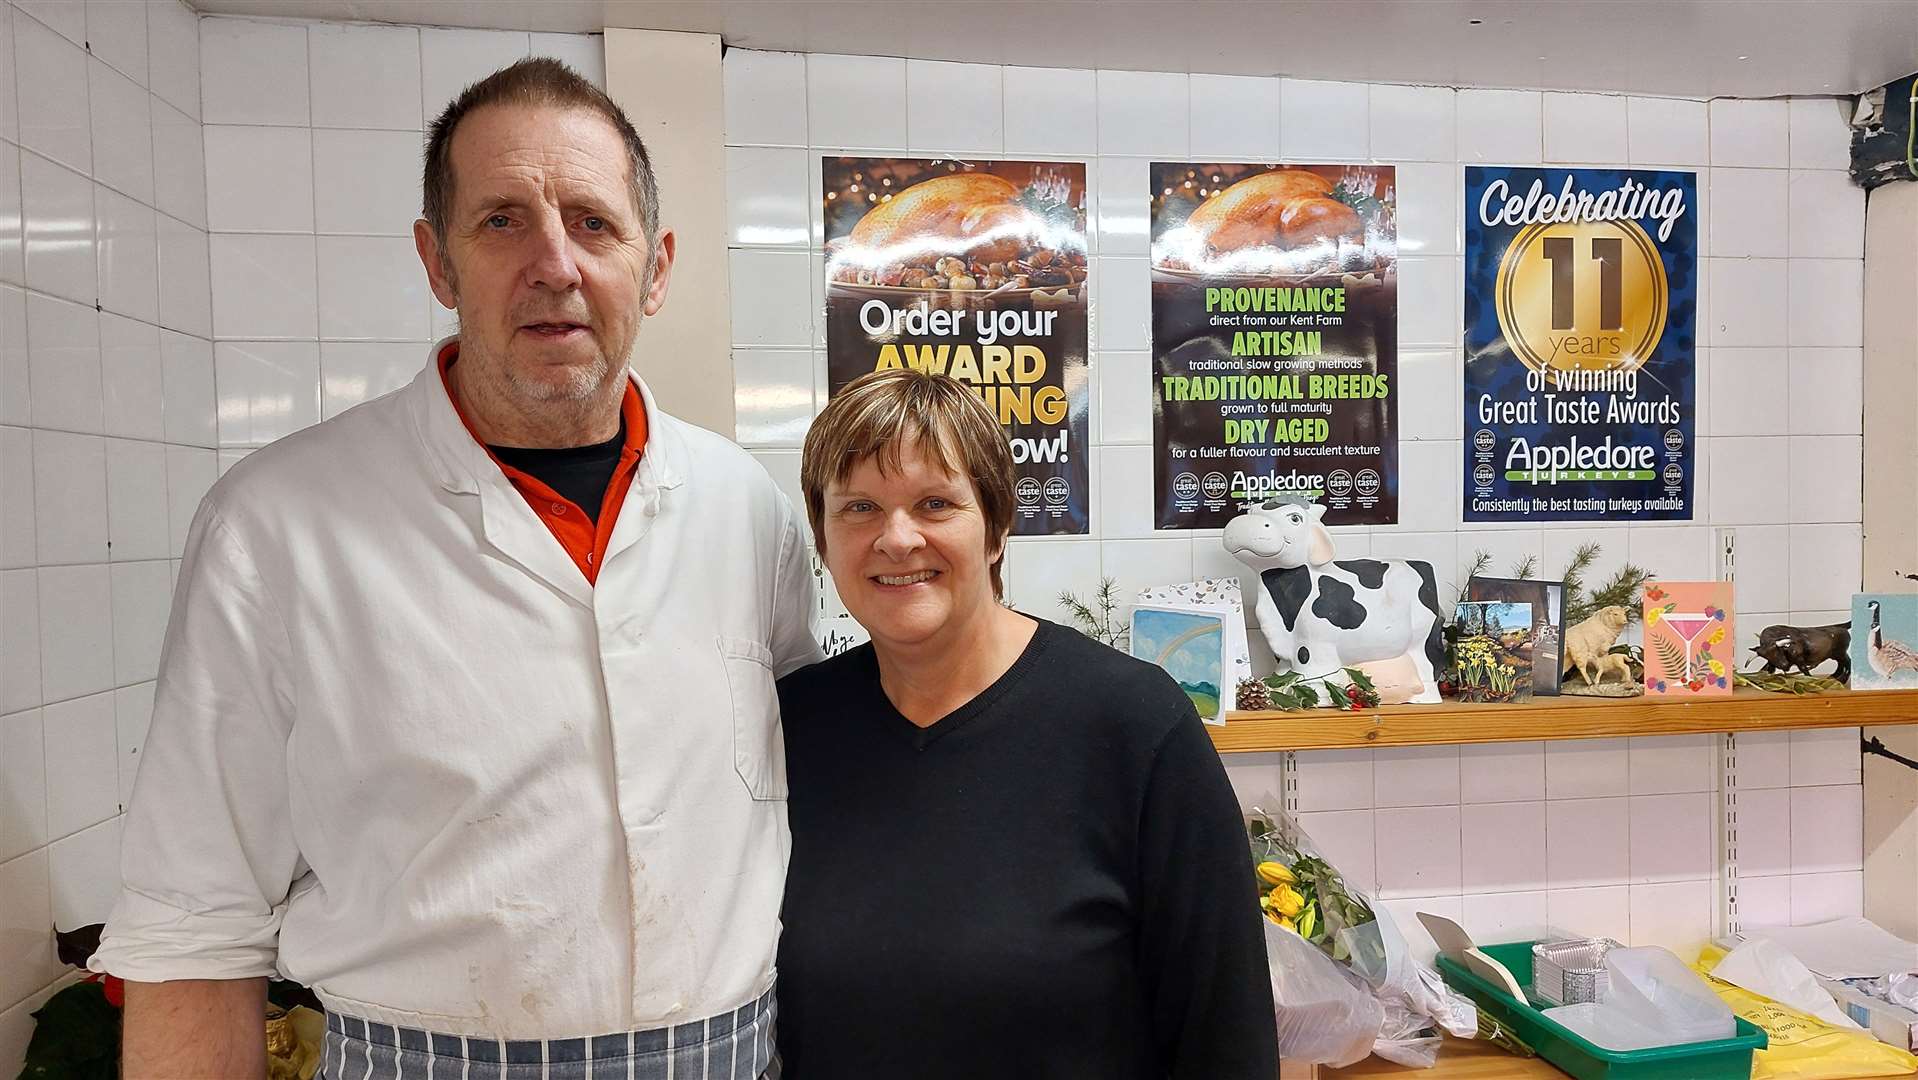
<point x="1015" y="852"/>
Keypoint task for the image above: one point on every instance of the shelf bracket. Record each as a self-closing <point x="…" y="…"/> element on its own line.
<point x="1875" y="745"/>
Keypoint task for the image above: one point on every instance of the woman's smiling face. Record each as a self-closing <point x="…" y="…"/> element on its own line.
<point x="908" y="549"/>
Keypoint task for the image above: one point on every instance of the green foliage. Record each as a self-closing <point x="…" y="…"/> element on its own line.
<point x="1481" y="562"/>
<point x="1330" y="905"/>
<point x="1098" y="620"/>
<point x="1622" y="589"/>
<point x="1289" y="691"/>
<point x="1788" y="682"/>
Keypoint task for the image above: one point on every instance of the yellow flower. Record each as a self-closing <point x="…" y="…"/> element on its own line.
<point x="1275" y="873"/>
<point x="1718" y="635"/>
<point x="1282" y="922"/>
<point x="1717" y="668"/>
<point x="1286" y="901"/>
<point x="1652" y="616"/>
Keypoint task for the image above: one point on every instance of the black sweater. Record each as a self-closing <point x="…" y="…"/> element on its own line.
<point x="1053" y="881"/>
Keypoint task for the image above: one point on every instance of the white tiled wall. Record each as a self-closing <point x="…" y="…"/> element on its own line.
<point x="1513" y="839"/>
<point x="313" y="135"/>
<point x="107" y="402"/>
<point x="128" y="129"/>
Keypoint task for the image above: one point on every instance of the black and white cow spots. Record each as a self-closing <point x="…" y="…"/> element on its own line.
<point x="1370" y="572"/>
<point x="1289" y="588"/>
<point x="1338" y="605"/>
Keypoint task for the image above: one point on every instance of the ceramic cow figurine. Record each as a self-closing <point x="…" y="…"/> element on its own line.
<point x="1321" y="614"/>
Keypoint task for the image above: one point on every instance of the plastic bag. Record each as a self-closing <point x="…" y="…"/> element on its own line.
<point x="1766" y="968"/>
<point x="1325" y="1016"/>
<point x="1803" y="1047"/>
<point x="1414" y="997"/>
<point x="1657" y="989"/>
<point x="1345" y="927"/>
<point x="1654" y="1000"/>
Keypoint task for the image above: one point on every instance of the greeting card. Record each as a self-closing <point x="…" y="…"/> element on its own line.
<point x="1690" y="643"/>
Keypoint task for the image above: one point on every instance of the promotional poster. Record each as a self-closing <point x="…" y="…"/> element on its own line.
<point x="1274" y="340"/>
<point x="975" y="270"/>
<point x="1581" y="290"/>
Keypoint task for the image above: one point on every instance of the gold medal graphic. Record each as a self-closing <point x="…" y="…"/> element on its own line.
<point x="1582" y="296"/>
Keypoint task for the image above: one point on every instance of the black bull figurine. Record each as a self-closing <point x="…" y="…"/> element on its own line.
<point x="1805" y="647"/>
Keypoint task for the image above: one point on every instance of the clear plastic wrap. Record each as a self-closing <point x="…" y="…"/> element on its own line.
<point x="1325" y="1016"/>
<point x="1363" y="944"/>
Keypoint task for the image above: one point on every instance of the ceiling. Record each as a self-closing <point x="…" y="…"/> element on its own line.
<point x="1687" y="48"/>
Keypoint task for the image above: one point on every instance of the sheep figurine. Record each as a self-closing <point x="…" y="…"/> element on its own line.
<point x="1588" y="643"/>
<point x="1322" y="615"/>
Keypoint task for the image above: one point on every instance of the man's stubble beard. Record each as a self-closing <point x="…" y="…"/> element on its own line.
<point x="580" y="386"/>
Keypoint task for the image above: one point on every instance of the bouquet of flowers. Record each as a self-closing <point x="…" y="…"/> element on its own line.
<point x="1343" y="979"/>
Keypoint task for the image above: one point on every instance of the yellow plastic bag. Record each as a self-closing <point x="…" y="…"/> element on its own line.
<point x="1804" y="1047"/>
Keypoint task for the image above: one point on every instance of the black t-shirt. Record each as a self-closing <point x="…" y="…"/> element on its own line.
<point x="1053" y="881"/>
<point x="579" y="473"/>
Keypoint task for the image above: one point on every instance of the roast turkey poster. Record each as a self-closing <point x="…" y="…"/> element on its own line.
<point x="976" y="270"/>
<point x="1274" y="340"/>
<point x="1581" y="298"/>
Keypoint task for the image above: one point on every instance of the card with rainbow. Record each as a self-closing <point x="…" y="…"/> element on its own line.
<point x="1690" y="643"/>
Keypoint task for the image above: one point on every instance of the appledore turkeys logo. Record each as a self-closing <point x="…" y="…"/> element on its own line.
<point x="1580" y="321"/>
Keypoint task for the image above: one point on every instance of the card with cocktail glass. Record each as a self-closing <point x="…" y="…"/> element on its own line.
<point x="1690" y="643"/>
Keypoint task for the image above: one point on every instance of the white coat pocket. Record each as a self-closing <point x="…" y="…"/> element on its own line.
<point x="759" y="751"/>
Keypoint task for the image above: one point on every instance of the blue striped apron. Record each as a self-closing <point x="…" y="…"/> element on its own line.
<point x="737" y="1045"/>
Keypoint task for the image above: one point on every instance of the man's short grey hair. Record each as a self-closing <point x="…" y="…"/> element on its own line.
<point x="538" y="81"/>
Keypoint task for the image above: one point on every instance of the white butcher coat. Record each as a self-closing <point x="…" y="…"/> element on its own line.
<point x="403" y="752"/>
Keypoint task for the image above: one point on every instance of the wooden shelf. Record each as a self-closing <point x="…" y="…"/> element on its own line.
<point x="1558" y="718"/>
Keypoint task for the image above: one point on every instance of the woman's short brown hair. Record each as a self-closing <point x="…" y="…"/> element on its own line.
<point x="876" y="415"/>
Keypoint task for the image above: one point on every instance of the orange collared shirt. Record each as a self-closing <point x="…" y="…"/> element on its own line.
<point x="584" y="540"/>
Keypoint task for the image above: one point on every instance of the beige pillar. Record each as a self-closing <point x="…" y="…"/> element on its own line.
<point x="669" y="83"/>
<point x="1891" y="530"/>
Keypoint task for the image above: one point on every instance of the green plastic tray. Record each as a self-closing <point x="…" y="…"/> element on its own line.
<point x="1722" y="1059"/>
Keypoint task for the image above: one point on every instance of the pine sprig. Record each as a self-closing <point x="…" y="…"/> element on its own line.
<point x="1622" y="590"/>
<point x="1481" y="562"/>
<point x="1099" y="619"/>
<point x="1577" y="608"/>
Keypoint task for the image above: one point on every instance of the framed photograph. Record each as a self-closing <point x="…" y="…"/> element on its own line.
<point x="1884" y="641"/>
<point x="1548" y="622"/>
<point x="1189" y="643"/>
<point x="1494" y="651"/>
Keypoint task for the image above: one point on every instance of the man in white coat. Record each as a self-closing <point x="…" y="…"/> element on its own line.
<point x="465" y="716"/>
